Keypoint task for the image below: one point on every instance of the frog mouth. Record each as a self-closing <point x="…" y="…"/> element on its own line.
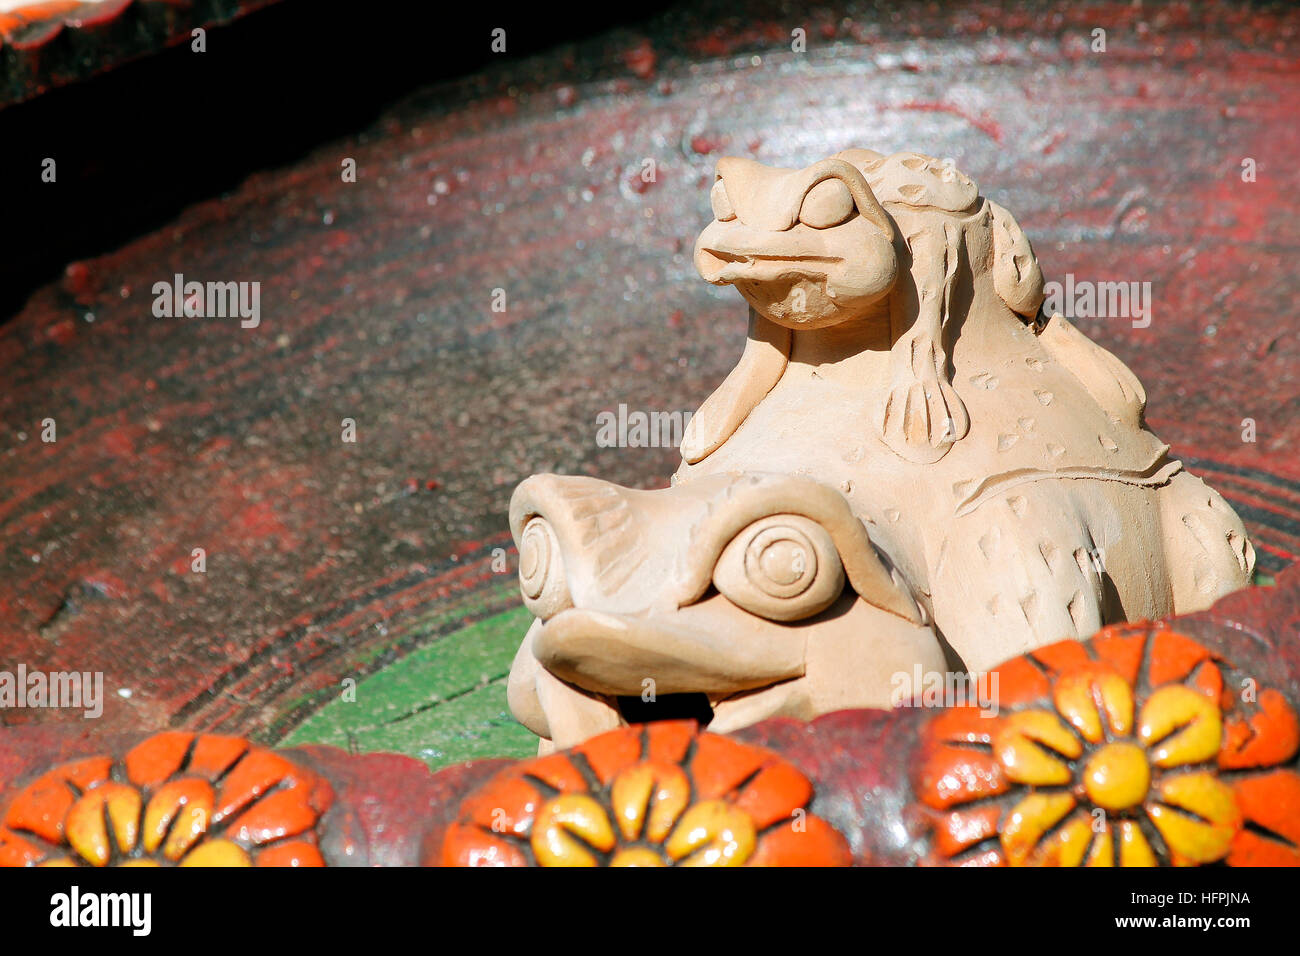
<point x="725" y="266"/>
<point x="686" y="653"/>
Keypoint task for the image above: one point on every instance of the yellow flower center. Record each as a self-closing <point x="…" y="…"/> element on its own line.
<point x="1117" y="777"/>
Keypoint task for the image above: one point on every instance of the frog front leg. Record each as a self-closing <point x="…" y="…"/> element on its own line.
<point x="923" y="415"/>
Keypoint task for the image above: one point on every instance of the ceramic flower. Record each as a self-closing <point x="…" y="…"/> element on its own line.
<point x="1139" y="748"/>
<point x="176" y="799"/>
<point x="655" y="795"/>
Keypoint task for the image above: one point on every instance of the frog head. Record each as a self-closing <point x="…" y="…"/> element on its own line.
<point x="813" y="248"/>
<point x="807" y="248"/>
<point x="731" y="599"/>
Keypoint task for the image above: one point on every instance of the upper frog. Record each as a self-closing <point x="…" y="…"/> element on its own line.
<point x="895" y="273"/>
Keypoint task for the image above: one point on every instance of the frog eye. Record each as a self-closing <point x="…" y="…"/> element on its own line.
<point x="827" y="204"/>
<point x="782" y="567"/>
<point x="722" y="208"/>
<point x="541" y="570"/>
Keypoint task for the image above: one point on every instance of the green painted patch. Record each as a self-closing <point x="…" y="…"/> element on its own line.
<point x="442" y="704"/>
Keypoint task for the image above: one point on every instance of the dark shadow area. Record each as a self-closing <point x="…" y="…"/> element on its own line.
<point x="636" y="710"/>
<point x="135" y="145"/>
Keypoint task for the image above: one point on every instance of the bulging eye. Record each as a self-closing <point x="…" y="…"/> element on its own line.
<point x="542" y="578"/>
<point x="827" y="204"/>
<point x="721" y="202"/>
<point x="783" y="568"/>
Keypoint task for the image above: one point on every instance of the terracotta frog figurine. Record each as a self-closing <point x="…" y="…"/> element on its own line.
<point x="994" y="459"/>
<point x="998" y="456"/>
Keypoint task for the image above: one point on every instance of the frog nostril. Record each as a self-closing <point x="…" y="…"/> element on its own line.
<point x="827" y="204"/>
<point x="723" y="211"/>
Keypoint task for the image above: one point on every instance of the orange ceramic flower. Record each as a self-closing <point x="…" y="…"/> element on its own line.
<point x="655" y="795"/>
<point x="1137" y="748"/>
<point x="176" y="799"/>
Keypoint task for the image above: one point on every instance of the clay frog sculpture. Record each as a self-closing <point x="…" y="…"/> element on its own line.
<point x="909" y="465"/>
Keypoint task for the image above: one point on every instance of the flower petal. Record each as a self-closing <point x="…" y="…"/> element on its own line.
<point x="1182" y="726"/>
<point x="565" y="829"/>
<point x="1029" y="820"/>
<point x="649" y="797"/>
<point x="1122" y="648"/>
<point x="637" y="856"/>
<point x="722" y="764"/>
<point x="292" y="853"/>
<point x="468" y="845"/>
<point x="1103" y="849"/>
<point x="217" y="853"/>
<point x="712" y="833"/>
<point x="1078" y="693"/>
<point x="1271" y="802"/>
<point x="1268" y="737"/>
<point x="1173" y="656"/>
<point x="154" y="760"/>
<point x="213" y="755"/>
<point x="281" y="814"/>
<point x="1134" y="850"/>
<point x="1067" y="845"/>
<point x="1017" y="746"/>
<point x="1203" y="834"/>
<point x="818" y="844"/>
<point x="505" y="805"/>
<point x="17" y="850"/>
<point x="948" y="776"/>
<point x="1020" y="682"/>
<point x="257" y="773"/>
<point x="558" y="771"/>
<point x="775" y="793"/>
<point x="963" y="828"/>
<point x="177" y="814"/>
<point x="87" y="831"/>
<point x="668" y="740"/>
<point x="611" y="752"/>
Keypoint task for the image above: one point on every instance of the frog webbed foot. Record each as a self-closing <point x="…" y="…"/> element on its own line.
<point x="923" y="414"/>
